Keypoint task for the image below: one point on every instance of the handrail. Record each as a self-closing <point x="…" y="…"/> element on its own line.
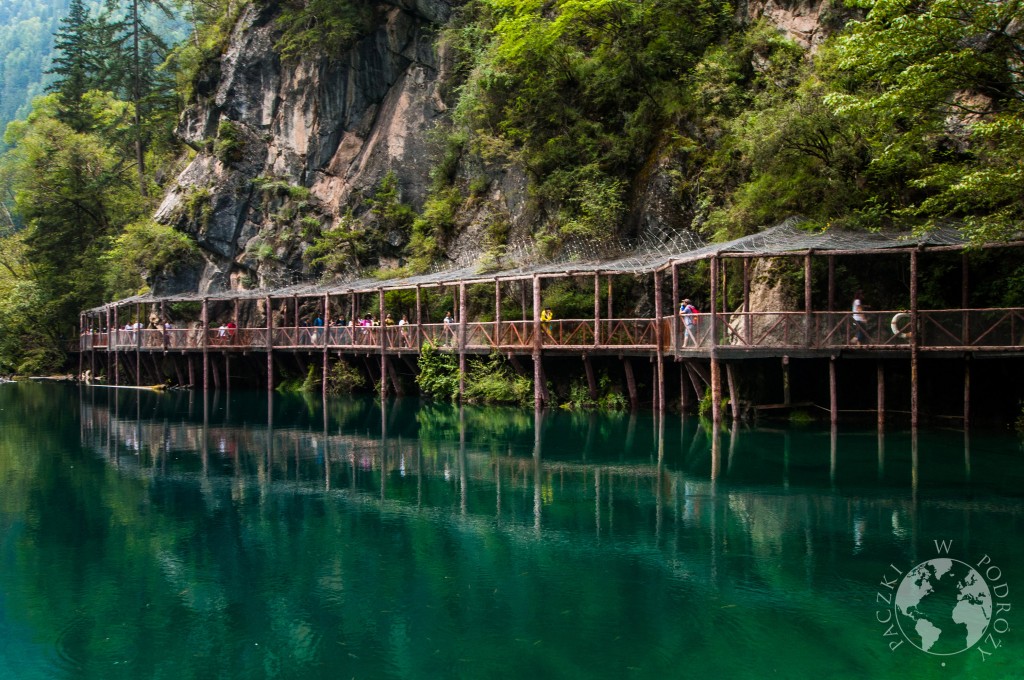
<point x="879" y="330"/>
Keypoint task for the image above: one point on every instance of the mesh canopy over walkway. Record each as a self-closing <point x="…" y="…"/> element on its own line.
<point x="787" y="238"/>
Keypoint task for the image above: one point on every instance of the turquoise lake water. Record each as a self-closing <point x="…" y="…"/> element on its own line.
<point x="172" y="536"/>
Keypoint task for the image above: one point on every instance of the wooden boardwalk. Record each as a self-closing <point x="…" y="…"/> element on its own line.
<point x="764" y="334"/>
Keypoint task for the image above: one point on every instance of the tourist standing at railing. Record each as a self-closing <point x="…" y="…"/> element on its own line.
<point x="449" y="333"/>
<point x="545" y="321"/>
<point x="860" y="335"/>
<point x="689" y="314"/>
<point x="404" y="321"/>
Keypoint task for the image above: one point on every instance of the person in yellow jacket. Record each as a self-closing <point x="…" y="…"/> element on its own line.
<point x="545" y="321"/>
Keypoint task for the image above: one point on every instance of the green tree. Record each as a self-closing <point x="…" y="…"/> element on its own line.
<point x="942" y="79"/>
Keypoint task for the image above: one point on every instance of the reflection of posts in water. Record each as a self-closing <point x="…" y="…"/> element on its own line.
<point x="833" y="442"/>
<point x="734" y="435"/>
<point x="383" y="442"/>
<point x="463" y="474"/>
<point x="787" y="442"/>
<point x="204" y="447"/>
<point x="657" y="479"/>
<point x="716" y="453"/>
<point x="967" y="455"/>
<point x="538" y="422"/>
<point x="327" y="448"/>
<point x="881" y="453"/>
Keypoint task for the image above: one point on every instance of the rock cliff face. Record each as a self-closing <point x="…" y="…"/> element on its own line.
<point x="286" y="149"/>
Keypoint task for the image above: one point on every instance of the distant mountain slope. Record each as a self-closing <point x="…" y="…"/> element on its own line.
<point x="26" y="40"/>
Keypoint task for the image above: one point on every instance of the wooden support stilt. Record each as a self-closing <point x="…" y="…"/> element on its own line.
<point x="497" y="313"/>
<point x="538" y="371"/>
<point x="833" y="394"/>
<point x="591" y="378"/>
<point x="227" y="370"/>
<point x="216" y="373"/>
<point x="396" y="383"/>
<point x="113" y="337"/>
<point x="597" y="310"/>
<point x="177" y="370"/>
<point x="716" y="390"/>
<point x="786" y="399"/>
<point x="684" y="392"/>
<point x="696" y="379"/>
<point x="191" y="371"/>
<point x="419" y="317"/>
<point x="462" y="339"/>
<point x="734" y="397"/>
<point x="880" y="397"/>
<point x="634" y="398"/>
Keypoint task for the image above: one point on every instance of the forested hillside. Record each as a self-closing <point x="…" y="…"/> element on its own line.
<point x="321" y="138"/>
<point x="26" y="40"/>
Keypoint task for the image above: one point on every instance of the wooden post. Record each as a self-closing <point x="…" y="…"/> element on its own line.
<point x="716" y="374"/>
<point x="833" y="395"/>
<point x="634" y="399"/>
<point x="808" y="319"/>
<point x="675" y="309"/>
<point x="270" y="343"/>
<point x="831" y="283"/>
<point x="611" y="309"/>
<point x="914" y="342"/>
<point x="205" y="336"/>
<point x="216" y="373"/>
<point x="747" y="321"/>
<point x="497" y="314"/>
<point x="419" y="318"/>
<point x="786" y="399"/>
<point x="295" y="329"/>
<point x="355" y="310"/>
<point x="326" y="355"/>
<point x="227" y="371"/>
<point x="965" y="324"/>
<point x="880" y="386"/>
<point x="139" y="328"/>
<point x="597" y="310"/>
<point x="659" y="352"/>
<point x="383" y="344"/>
<point x="538" y="373"/>
<point x="462" y="339"/>
<point x="591" y="378"/>
<point x="234" y="315"/>
<point x="684" y="393"/>
<point x="734" y="397"/>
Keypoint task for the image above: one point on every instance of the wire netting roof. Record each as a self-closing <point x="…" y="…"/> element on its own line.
<point x="788" y="238"/>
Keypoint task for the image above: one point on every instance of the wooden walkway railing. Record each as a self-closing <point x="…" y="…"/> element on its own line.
<point x="880" y="330"/>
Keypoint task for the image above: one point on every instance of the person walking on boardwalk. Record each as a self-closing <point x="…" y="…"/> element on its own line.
<point x="860" y="335"/>
<point x="688" y="312"/>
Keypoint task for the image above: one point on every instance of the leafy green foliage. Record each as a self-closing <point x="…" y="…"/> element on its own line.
<point x="493" y="381"/>
<point x="230" y="142"/>
<point x="323" y="27"/>
<point x="343" y="378"/>
<point x="143" y="251"/>
<point x="438" y="375"/>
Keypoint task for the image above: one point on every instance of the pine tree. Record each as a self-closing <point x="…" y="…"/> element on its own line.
<point x="71" y="66"/>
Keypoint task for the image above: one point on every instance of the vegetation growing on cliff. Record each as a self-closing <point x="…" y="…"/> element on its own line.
<point x="912" y="114"/>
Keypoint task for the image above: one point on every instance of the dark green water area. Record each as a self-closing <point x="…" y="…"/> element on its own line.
<point x="245" y="536"/>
